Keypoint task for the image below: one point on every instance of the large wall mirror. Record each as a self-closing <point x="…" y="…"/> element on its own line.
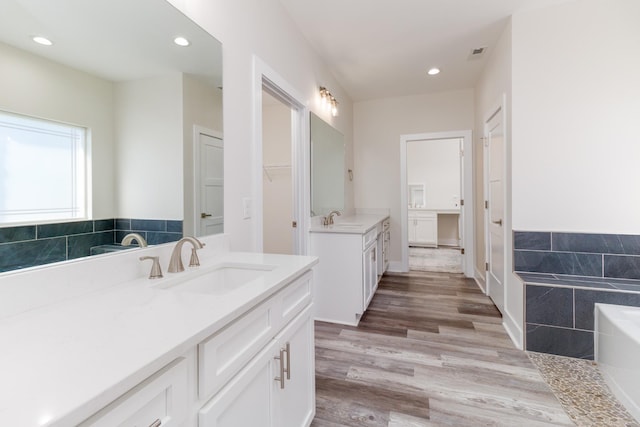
<point x="327" y="167"/>
<point x="152" y="110"/>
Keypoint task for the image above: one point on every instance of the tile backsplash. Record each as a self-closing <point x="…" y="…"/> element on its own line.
<point x="577" y="254"/>
<point x="565" y="275"/>
<point x="31" y="245"/>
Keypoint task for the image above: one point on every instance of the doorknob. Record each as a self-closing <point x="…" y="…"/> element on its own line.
<point x="498" y="222"/>
<point x="204" y="215"/>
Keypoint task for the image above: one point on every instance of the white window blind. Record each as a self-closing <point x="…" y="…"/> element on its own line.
<point x="42" y="170"/>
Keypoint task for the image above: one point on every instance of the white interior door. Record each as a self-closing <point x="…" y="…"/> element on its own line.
<point x="210" y="191"/>
<point x="494" y="150"/>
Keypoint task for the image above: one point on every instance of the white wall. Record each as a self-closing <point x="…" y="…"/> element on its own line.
<point x="149" y="140"/>
<point x="576" y="110"/>
<point x="35" y="86"/>
<point x="277" y="191"/>
<point x="260" y="27"/>
<point x="378" y="125"/>
<point x="436" y="165"/>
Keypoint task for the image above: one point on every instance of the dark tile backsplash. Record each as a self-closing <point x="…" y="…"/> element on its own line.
<point x="577" y="254"/>
<point x="569" y="263"/>
<point x="565" y="275"/>
<point x="30" y="245"/>
<point x="532" y="240"/>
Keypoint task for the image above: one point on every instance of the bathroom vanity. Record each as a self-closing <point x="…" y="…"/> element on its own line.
<point x="354" y="255"/>
<point x="96" y="343"/>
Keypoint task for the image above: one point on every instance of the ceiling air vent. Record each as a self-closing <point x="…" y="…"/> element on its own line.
<point x="477" y="53"/>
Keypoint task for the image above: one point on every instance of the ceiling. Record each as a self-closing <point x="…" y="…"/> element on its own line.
<point x="383" y="48"/>
<point x="105" y="37"/>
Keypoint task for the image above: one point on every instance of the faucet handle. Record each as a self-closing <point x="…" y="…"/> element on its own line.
<point x="194" y="261"/>
<point x="156" y="271"/>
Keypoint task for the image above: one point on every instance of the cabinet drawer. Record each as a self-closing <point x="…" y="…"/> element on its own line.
<point x="423" y="214"/>
<point x="160" y="399"/>
<point x="369" y="238"/>
<point x="222" y="355"/>
<point x="295" y="297"/>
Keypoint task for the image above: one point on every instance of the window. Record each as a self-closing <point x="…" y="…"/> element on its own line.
<point x="43" y="170"/>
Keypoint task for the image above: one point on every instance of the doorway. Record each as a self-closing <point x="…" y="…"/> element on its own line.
<point x="420" y="196"/>
<point x="434" y="185"/>
<point x="277" y="181"/>
<point x="294" y="216"/>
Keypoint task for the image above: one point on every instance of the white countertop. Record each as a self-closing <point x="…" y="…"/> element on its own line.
<point x="352" y="224"/>
<point x="62" y="362"/>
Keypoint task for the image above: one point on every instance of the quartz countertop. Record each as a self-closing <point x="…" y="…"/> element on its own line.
<point x="62" y="362"/>
<point x="352" y="224"/>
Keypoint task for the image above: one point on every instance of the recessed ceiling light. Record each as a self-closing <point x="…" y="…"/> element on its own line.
<point x="433" y="71"/>
<point x="42" y="40"/>
<point x="181" y="41"/>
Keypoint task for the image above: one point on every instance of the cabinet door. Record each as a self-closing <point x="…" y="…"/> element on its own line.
<point x="295" y="397"/>
<point x="246" y="399"/>
<point x="370" y="274"/>
<point x="426" y="231"/>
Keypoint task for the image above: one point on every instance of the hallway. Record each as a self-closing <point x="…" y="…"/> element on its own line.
<point x="429" y="351"/>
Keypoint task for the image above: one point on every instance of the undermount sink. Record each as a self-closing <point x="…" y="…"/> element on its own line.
<point x="221" y="280"/>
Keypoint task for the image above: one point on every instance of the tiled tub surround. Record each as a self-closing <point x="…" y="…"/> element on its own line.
<point x="565" y="274"/>
<point x="31" y="245"/>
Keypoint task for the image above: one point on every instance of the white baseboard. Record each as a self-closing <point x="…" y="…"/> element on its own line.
<point x="396" y="267"/>
<point x="514" y="331"/>
<point x="480" y="280"/>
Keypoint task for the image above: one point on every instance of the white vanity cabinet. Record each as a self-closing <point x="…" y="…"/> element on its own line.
<point x="349" y="269"/>
<point x="423" y="228"/>
<point x="262" y="382"/>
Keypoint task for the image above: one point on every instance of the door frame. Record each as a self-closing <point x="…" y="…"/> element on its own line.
<point x="197" y="131"/>
<point x="466" y="194"/>
<point x="265" y="78"/>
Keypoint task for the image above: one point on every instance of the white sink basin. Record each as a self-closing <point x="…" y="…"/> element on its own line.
<point x="221" y="280"/>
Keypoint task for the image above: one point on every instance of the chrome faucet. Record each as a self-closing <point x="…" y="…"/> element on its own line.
<point x="175" y="263"/>
<point x="328" y="220"/>
<point x="126" y="240"/>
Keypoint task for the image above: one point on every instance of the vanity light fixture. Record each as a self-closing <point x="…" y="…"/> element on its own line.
<point x="433" y="71"/>
<point x="328" y="101"/>
<point x="42" y="40"/>
<point x="181" y="41"/>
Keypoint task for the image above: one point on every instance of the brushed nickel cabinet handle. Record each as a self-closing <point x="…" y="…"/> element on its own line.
<point x="281" y="359"/>
<point x="156" y="423"/>
<point x="205" y="215"/>
<point x="498" y="222"/>
<point x="288" y="369"/>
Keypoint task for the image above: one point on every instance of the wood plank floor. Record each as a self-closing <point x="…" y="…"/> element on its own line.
<point x="429" y="351"/>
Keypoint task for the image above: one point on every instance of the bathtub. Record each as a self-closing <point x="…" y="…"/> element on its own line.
<point x="617" y="351"/>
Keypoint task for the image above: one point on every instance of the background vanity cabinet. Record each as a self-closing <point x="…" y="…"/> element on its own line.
<point x="423" y="228"/>
<point x="257" y="381"/>
<point x="348" y="272"/>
